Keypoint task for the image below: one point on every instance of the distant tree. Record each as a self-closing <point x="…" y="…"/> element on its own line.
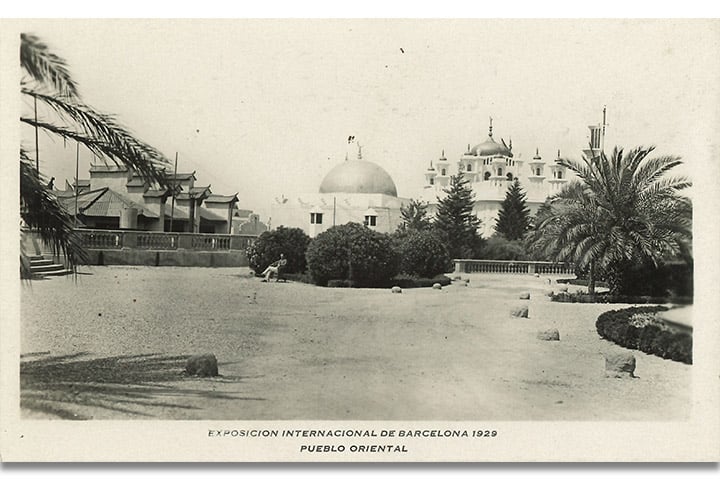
<point x="414" y="216"/>
<point x="454" y="221"/>
<point x="514" y="217"/>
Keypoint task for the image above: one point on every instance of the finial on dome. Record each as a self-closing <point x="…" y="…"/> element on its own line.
<point x="510" y="144"/>
<point x="490" y="132"/>
<point x="359" y="151"/>
<point x="537" y="151"/>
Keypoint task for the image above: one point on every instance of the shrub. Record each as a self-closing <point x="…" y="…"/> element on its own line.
<point x="500" y="248"/>
<point x="621" y="327"/>
<point x="292" y="242"/>
<point x="353" y="252"/>
<point x="422" y="253"/>
<point x="581" y="297"/>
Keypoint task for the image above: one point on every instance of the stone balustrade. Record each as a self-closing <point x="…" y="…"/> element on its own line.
<point x="133" y="239"/>
<point x="512" y="267"/>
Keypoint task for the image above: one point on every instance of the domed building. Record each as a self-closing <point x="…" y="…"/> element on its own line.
<point x="356" y="190"/>
<point x="491" y="167"/>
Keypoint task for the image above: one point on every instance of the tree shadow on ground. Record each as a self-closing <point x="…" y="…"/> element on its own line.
<point x="132" y="385"/>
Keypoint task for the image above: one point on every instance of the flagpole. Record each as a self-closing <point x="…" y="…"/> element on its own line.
<point x="77" y="181"/>
<point x="37" y="144"/>
<point x="172" y="208"/>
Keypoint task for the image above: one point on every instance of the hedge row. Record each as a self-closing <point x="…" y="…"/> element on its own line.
<point x="655" y="339"/>
<point x="400" y="281"/>
<point x="581" y="297"/>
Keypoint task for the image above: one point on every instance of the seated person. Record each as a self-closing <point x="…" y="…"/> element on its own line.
<point x="275" y="268"/>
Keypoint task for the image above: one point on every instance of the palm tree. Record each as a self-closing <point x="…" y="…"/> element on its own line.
<point x="47" y="81"/>
<point x="624" y="210"/>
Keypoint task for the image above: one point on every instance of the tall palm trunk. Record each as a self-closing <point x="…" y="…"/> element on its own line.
<point x="591" y="279"/>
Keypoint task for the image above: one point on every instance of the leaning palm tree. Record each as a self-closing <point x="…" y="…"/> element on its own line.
<point x="47" y="81"/>
<point x="623" y="210"/>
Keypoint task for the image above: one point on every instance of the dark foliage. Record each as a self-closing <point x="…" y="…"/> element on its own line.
<point x="655" y="339"/>
<point x="414" y="216"/>
<point x="292" y="242"/>
<point x="581" y="297"/>
<point x="514" y="216"/>
<point x="422" y="253"/>
<point x="455" y="222"/>
<point x="352" y="252"/>
<point x="499" y="248"/>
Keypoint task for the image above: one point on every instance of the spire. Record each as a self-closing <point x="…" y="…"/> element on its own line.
<point x="490" y="131"/>
<point x="537" y="154"/>
<point x="359" y="151"/>
<point x="510" y="144"/>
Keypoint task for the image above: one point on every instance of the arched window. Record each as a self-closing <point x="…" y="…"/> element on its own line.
<point x="469" y="167"/>
<point x="509" y="176"/>
<point x="432" y="181"/>
<point x="442" y="172"/>
<point x="560" y="175"/>
<point x="499" y="172"/>
<point x="537" y="171"/>
<point x="486" y="177"/>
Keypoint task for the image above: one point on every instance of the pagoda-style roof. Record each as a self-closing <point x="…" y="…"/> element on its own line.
<point x="222" y="198"/>
<point x="98" y="168"/>
<point x="195" y="192"/>
<point x="103" y="202"/>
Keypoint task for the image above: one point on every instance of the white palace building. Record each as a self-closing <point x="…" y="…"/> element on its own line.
<point x="358" y="190"/>
<point x="491" y="167"/>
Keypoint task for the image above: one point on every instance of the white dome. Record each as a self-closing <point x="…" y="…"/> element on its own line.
<point x="358" y="176"/>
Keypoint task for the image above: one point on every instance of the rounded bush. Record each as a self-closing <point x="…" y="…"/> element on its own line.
<point x="422" y="253"/>
<point x="352" y="252"/>
<point x="293" y="242"/>
<point x="621" y="327"/>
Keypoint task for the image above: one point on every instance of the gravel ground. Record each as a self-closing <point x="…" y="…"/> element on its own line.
<point x="112" y="343"/>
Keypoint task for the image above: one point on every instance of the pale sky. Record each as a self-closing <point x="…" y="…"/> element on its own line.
<point x="264" y="107"/>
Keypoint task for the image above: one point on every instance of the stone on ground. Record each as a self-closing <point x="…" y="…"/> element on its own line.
<point x="549" y="335"/>
<point x="620" y="364"/>
<point x="396" y="289"/>
<point x="204" y="365"/>
<point x="521" y="312"/>
<point x="437" y="286"/>
<point x="563" y="288"/>
<point x="525" y="296"/>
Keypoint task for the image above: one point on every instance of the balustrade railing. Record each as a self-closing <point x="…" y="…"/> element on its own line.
<point x="157" y="241"/>
<point x="102" y="239"/>
<point x="129" y="239"/>
<point x="512" y="267"/>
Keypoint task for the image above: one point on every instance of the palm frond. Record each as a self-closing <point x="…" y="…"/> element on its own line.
<point x="102" y="134"/>
<point x="42" y="213"/>
<point x="45" y="67"/>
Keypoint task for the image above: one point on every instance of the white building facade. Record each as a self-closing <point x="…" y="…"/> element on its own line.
<point x="491" y="167"/>
<point x="356" y="190"/>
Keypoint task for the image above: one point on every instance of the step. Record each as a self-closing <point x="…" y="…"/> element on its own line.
<point x="46" y="268"/>
<point x="56" y="273"/>
<point x="40" y="262"/>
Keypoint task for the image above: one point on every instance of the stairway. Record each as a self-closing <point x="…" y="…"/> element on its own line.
<point x="46" y="268"/>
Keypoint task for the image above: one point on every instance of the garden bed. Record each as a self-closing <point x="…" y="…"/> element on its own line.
<point x="582" y="297"/>
<point x="641" y="329"/>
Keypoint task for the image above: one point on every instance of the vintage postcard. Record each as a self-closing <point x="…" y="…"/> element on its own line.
<point x="360" y="240"/>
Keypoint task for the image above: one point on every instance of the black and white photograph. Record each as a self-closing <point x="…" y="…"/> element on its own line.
<point x="360" y="240"/>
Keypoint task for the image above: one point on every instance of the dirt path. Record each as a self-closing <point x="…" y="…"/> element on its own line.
<point x="295" y="351"/>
